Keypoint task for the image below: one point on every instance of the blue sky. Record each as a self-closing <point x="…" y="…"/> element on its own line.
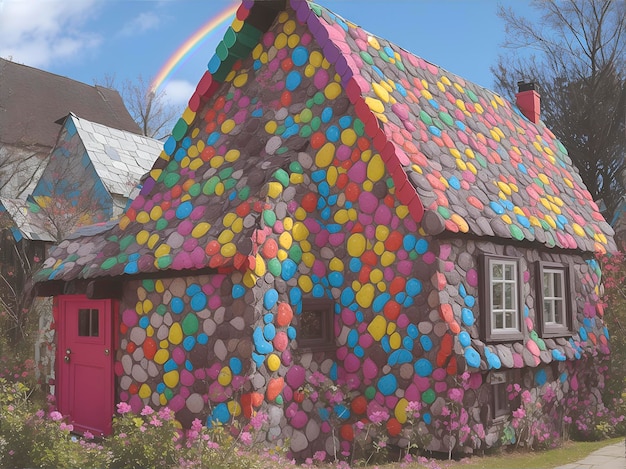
<point x="88" y="39"/>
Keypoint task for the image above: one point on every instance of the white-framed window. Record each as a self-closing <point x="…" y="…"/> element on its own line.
<point x="554" y="308"/>
<point x="501" y="292"/>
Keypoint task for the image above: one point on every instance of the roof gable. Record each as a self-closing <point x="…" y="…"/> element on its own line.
<point x="54" y="97"/>
<point x="269" y="113"/>
<point x="26" y="220"/>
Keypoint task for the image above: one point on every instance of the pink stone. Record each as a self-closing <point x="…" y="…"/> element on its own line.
<point x="444" y="251"/>
<point x="574" y="383"/>
<point x="292" y="409"/>
<point x="358" y="172"/>
<point x="278" y="227"/>
<point x="351" y="363"/>
<point x="197" y="213"/>
<point x="198" y="257"/>
<point x="319" y="268"/>
<point x="218" y="393"/>
<point x="366" y="340"/>
<point x="215" y="302"/>
<point x="439" y="374"/>
<point x="388" y="272"/>
<point x="405" y="267"/>
<point x="189" y="244"/>
<point x="440" y="387"/>
<point x="280" y="341"/>
<point x="403" y="321"/>
<point x="365" y="219"/>
<point x="184" y="393"/>
<point x="370" y="232"/>
<point x="383" y="215"/>
<point x="199" y="374"/>
<point x="136" y="403"/>
<point x="214" y="371"/>
<point x="186" y="378"/>
<point x="342" y="352"/>
<point x="421" y="383"/>
<point x="343" y="152"/>
<point x="176" y="403"/>
<point x="518" y="361"/>
<point x="337" y="239"/>
<point x="529" y="324"/>
<point x="412" y="394"/>
<point x="312" y="225"/>
<point x="178" y="355"/>
<point x="238" y="381"/>
<point x="370" y="370"/>
<point x="325" y="427"/>
<point x="475" y="381"/>
<point x="449" y="266"/>
<point x="299" y="420"/>
<point x="472" y="277"/>
<point x="391" y="401"/>
<point x="348" y="317"/>
<point x="532" y="346"/>
<point x="295" y="376"/>
<point x="185" y="227"/>
<point x="129" y="317"/>
<point x="320" y="80"/>
<point x="429" y="257"/>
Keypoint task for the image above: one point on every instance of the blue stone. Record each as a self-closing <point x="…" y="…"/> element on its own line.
<point x="423" y="367"/>
<point x="333" y="372"/>
<point x="189" y="343"/>
<point x="465" y="339"/>
<point x="347" y="296"/>
<point x="220" y="413"/>
<point x="407" y="343"/>
<point x="341" y="411"/>
<point x="269" y="331"/>
<point x="177" y="305"/>
<point x="408" y="243"/>
<point x="170" y="365"/>
<point x="184" y="210"/>
<point x="188" y="365"/>
<point x="319" y="175"/>
<point x="333" y="133"/>
<point x="469" y="301"/>
<point x="355" y="264"/>
<point x="144" y="322"/>
<point x="358" y="351"/>
<point x="327" y="114"/>
<point x="558" y="355"/>
<point x="421" y="246"/>
<point x="323" y="413"/>
<point x="335" y="279"/>
<point x="353" y="338"/>
<point x="318" y="291"/>
<point x="492" y="360"/>
<point x="467" y="317"/>
<point x="427" y="418"/>
<point x="380" y="301"/>
<point x="203" y="339"/>
<point x="496" y="207"/>
<point x="384" y="343"/>
<point x="238" y="291"/>
<point x="345" y="121"/>
<point x="434" y="130"/>
<point x="193" y="289"/>
<point x="289" y="269"/>
<point x="299" y="56"/>
<point x="270" y="298"/>
<point x="160" y="387"/>
<point x="462" y="290"/>
<point x="400" y="356"/>
<point x="258" y="359"/>
<point x="261" y="345"/>
<point x="387" y="385"/>
<point x="293" y="80"/>
<point x="540" y="377"/>
<point x="198" y="301"/>
<point x="413" y="287"/>
<point x="583" y="334"/>
<point x="426" y="343"/>
<point x="412" y="331"/>
<point x="268" y="318"/>
<point x="291" y="332"/>
<point x="472" y="357"/>
<point x="235" y="365"/>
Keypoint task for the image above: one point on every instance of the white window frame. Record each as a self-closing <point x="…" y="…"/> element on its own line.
<point x="551" y="302"/>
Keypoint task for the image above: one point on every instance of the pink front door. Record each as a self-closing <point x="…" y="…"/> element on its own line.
<point x="85" y="362"/>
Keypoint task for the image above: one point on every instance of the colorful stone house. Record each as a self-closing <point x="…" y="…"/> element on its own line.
<point x="331" y="205"/>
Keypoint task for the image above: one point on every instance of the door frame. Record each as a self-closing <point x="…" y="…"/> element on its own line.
<point x="64" y="402"/>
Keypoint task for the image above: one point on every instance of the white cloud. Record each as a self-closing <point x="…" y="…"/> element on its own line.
<point x="142" y="23"/>
<point x="37" y="32"/>
<point x="178" y="92"/>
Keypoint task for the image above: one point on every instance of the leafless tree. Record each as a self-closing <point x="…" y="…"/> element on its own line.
<point x="148" y="107"/>
<point x="576" y="54"/>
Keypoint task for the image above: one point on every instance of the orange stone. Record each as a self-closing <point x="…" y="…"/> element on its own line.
<point x="347" y="432"/>
<point x="274" y="388"/>
<point x="359" y="405"/>
<point x="393" y="427"/>
<point x="284" y="315"/>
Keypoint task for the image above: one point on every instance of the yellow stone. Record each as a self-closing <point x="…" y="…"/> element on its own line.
<point x="372" y="41"/>
<point x="356" y="245"/>
<point x="271" y="127"/>
<point x="281" y="41"/>
<point x="225" y="376"/>
<point x="325" y="155"/>
<point x="504" y="187"/>
<point x="296" y="178"/>
<point x="228" y="125"/>
<point x="274" y="189"/>
<point x="139" y="307"/>
<point x="285" y="240"/>
<point x="377" y="327"/>
<point x="228" y="250"/>
<point x="375" y="105"/>
<point x="569" y="183"/>
<point x="300" y="231"/>
<point x="171" y="379"/>
<point x="240" y="80"/>
<point x="400" y="410"/>
<point x="153" y="240"/>
<point x="249" y="279"/>
<point x="142" y="217"/>
<point x="175" y="335"/>
<point x="550" y="221"/>
<point x="402" y="211"/>
<point x="161" y="356"/>
<point x="308" y="259"/>
<point x="309" y="70"/>
<point x="124" y="221"/>
<point x="216" y="162"/>
<point x="273" y="362"/>
<point x="164" y="344"/>
<point x="305" y="283"/>
<point x="162" y="250"/>
<point x="331" y="175"/>
<point x="196" y="164"/>
<point x="305" y="246"/>
<point x="155" y="213"/>
<point x="387" y="259"/>
<point x="290" y="27"/>
<point x="391" y="327"/>
<point x="144" y="391"/>
<point x="376" y="275"/>
<point x="232" y="155"/>
<point x="336" y="264"/>
<point x="341" y="216"/>
<point x="379" y="248"/>
<point x="316" y="58"/>
<point x="293" y="40"/>
<point x="460" y="222"/>
<point x="149" y="331"/>
<point x="225" y="236"/>
<point x="147" y="306"/>
<point x="200" y="229"/>
<point x="281" y="255"/>
<point x="348" y="137"/>
<point x="189" y="116"/>
<point x="382" y="232"/>
<point x="375" y="168"/>
<point x="365" y="296"/>
<point x="332" y="90"/>
<point x="441" y="86"/>
<point x="260" y="268"/>
<point x="288" y="223"/>
<point x="395" y="341"/>
<point x="381" y="92"/>
<point x="162" y="399"/>
<point x="159" y="287"/>
<point x="234" y="408"/>
<point x="579" y="230"/>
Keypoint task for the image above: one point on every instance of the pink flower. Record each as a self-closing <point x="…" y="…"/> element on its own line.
<point x="319" y="455"/>
<point x="196" y="425"/>
<point x="165" y="413"/>
<point x="88" y="435"/>
<point x="246" y="438"/>
<point x="526" y="396"/>
<point x="519" y="413"/>
<point x="257" y="421"/>
<point x="56" y="416"/>
<point x="155" y="421"/>
<point x="40" y="414"/>
<point x="455" y="395"/>
<point x="123" y="408"/>
<point x="378" y="416"/>
<point x="359" y="425"/>
<point x="147" y="410"/>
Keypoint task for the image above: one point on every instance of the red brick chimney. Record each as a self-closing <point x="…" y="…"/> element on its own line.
<point x="528" y="101"/>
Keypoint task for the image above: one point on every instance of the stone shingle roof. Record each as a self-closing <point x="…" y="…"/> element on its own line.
<point x="27" y="221"/>
<point x="462" y="159"/>
<point x="33" y="100"/>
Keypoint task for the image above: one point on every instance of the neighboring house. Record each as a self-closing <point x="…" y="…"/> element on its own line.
<point x="32" y="104"/>
<point x="330" y="205"/>
<point x="91" y="174"/>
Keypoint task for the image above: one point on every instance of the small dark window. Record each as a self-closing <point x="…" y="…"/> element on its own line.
<point x="88" y="323"/>
<point x="504" y="393"/>
<point x="501" y="298"/>
<point x="554" y="307"/>
<point x="315" y="325"/>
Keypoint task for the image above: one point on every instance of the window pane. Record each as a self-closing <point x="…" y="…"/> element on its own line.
<point x="88" y="323"/>
<point x="548" y="311"/>
<point x="311" y="326"/>
<point x="496" y="271"/>
<point x="509" y="272"/>
<point x="510" y="321"/>
<point x="509" y="296"/>
<point x="498" y="321"/>
<point x="497" y="296"/>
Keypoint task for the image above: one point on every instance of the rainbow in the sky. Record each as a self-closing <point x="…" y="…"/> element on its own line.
<point x="191" y="44"/>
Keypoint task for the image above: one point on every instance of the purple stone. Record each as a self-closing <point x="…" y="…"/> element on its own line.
<point x="190" y="244"/>
<point x="336" y="239"/>
<point x="368" y="202"/>
<point x="347" y="316"/>
<point x="405" y="267"/>
<point x="439" y="374"/>
<point x="319" y="268"/>
<point x="186" y="378"/>
<point x="343" y="152"/>
<point x="185" y="227"/>
<point x="178" y="355"/>
<point x="358" y="172"/>
<point x="342" y="352"/>
<point x="403" y="321"/>
<point x="370" y="370"/>
<point x="351" y="363"/>
<point x="320" y="80"/>
<point x="383" y="215"/>
<point x="295" y="376"/>
<point x="322" y="238"/>
<point x="472" y="277"/>
<point x="129" y="317"/>
<point x="412" y="394"/>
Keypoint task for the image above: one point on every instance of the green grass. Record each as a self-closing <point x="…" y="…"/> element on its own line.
<point x="570" y="452"/>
